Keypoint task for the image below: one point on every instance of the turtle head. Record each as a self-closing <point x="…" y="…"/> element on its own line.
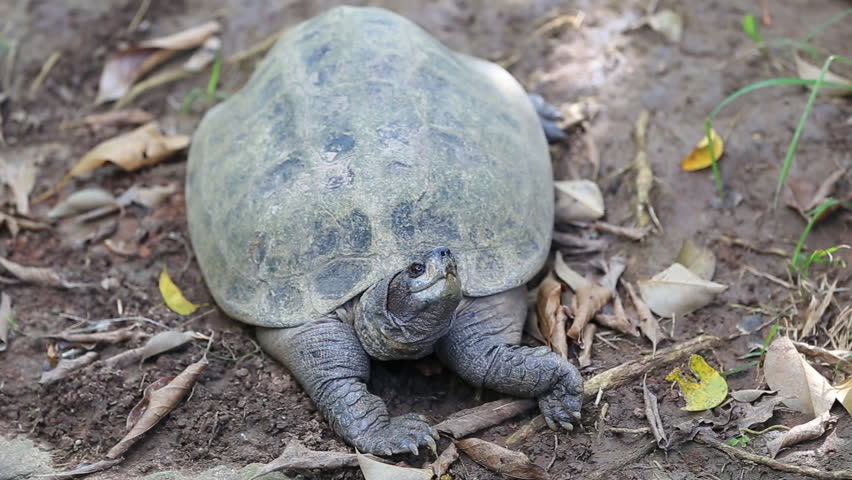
<point x="401" y="317"/>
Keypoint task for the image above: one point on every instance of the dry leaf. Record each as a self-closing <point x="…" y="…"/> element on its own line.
<point x="578" y="200"/>
<point x="66" y="367"/>
<point x="808" y="71"/>
<point x="804" y="389"/>
<point x="668" y="23"/>
<point x="677" y="291"/>
<point x="37" y="275"/>
<point x="159" y="343"/>
<point x="652" y="414"/>
<point x="708" y="392"/>
<point x="697" y="260"/>
<point x="804" y="195"/>
<point x="447" y="458"/>
<point x="131" y="151"/>
<point x="204" y="56"/>
<point x="472" y="420"/>
<point x="148" y="197"/>
<point x="578" y="245"/>
<point x="373" y="469"/>
<point x="173" y="296"/>
<point x="501" y="460"/>
<point x="85" y="468"/>
<point x="5" y="320"/>
<point x="618" y="320"/>
<point x="551" y="315"/>
<point x="20" y="174"/>
<point x="116" y="118"/>
<point x="297" y="458"/>
<point x="839" y="359"/>
<point x="111" y="337"/>
<point x="142" y="405"/>
<point x="758" y="413"/>
<point x="699" y="158"/>
<point x="125" y="67"/>
<point x="800" y="433"/>
<point x="588" y="336"/>
<point x="161" y="402"/>
<point x="644" y="174"/>
<point x="749" y="395"/>
<point x="80" y="202"/>
<point x="626" y="232"/>
<point x="584" y="305"/>
<point x="567" y="275"/>
<point x="844" y="394"/>
<point x="815" y="311"/>
<point x="648" y="324"/>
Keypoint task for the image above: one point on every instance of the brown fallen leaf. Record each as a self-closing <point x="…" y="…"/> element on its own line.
<point x="626" y="232"/>
<point x="472" y="420"/>
<point x="648" y="324"/>
<point x="644" y="175"/>
<point x="142" y="405"/>
<point x="501" y="460"/>
<point x="697" y="260"/>
<point x="19" y="174"/>
<point x="839" y="359"/>
<point x="551" y="315"/>
<point x="148" y="197"/>
<point x="578" y="200"/>
<point x="565" y="273"/>
<point x="16" y="224"/>
<point x="131" y="151"/>
<point x="297" y="458"/>
<point x="804" y="195"/>
<point x="749" y="395"/>
<point x="816" y="309"/>
<point x="81" y="201"/>
<point x="124" y="67"/>
<point x="586" y="339"/>
<point x="66" y="367"/>
<point x="584" y="305"/>
<point x="159" y="343"/>
<point x="5" y="320"/>
<point x="678" y="291"/>
<point x="85" y="468"/>
<point x="577" y="245"/>
<point x="804" y="389"/>
<point x="37" y="275"/>
<point x="800" y="433"/>
<point x="114" y="336"/>
<point x="375" y="469"/>
<point x="807" y="71"/>
<point x="116" y="118"/>
<point x="161" y="402"/>
<point x="758" y="413"/>
<point x="618" y="320"/>
<point x="443" y="462"/>
<point x="652" y="414"/>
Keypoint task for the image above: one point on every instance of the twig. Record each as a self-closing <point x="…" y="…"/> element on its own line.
<point x="767" y="276"/>
<point x="140" y="14"/>
<point x="740" y="454"/>
<point x="629" y="458"/>
<point x="630" y="431"/>
<point x="739" y="242"/>
<point x="257" y="48"/>
<point x="51" y="62"/>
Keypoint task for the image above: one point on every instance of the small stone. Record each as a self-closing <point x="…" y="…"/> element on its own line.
<point x="242" y="372"/>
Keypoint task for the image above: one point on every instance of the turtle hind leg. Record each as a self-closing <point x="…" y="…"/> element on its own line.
<point x="324" y="355"/>
<point x="549" y="116"/>
<point x="482" y="347"/>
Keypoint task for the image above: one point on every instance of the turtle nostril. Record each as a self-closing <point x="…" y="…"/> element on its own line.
<point x="443" y="252"/>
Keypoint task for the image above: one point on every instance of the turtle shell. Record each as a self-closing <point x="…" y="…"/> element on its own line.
<point x="359" y="144"/>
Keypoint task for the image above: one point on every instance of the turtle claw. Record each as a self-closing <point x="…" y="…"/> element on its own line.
<point x="435" y="434"/>
<point x="432" y="445"/>
<point x="567" y="426"/>
<point x="550" y="423"/>
<point x="403" y="434"/>
<point x="413" y="449"/>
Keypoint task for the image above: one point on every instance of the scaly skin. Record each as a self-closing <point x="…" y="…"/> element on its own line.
<point x="330" y="364"/>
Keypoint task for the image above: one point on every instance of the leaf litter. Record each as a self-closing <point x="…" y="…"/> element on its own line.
<point x="471" y="420"/>
<point x="66" y="367"/>
<point x="501" y="460"/>
<point x="648" y="324"/>
<point x="6" y="315"/>
<point x="551" y="314"/>
<point x="652" y="414"/>
<point x="38" y="275"/>
<point x="678" y="291"/>
<point x="375" y="469"/>
<point x="810" y="430"/>
<point x="445" y="460"/>
<point x="802" y="387"/>
<point x="159" y="343"/>
<point x="578" y="200"/>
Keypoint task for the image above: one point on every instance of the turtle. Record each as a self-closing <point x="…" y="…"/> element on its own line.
<point x="371" y="194"/>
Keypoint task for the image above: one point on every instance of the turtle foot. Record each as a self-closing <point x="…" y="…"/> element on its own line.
<point x="403" y="434"/>
<point x="561" y="405"/>
<point x="549" y="116"/>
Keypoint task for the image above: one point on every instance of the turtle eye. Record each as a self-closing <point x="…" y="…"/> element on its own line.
<point x="416" y="269"/>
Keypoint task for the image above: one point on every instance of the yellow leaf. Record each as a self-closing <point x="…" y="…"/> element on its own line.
<point x="699" y="157"/>
<point x="844" y="394"/>
<point x="708" y="392"/>
<point x="173" y="296"/>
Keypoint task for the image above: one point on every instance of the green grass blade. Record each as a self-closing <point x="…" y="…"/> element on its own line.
<point x="190" y="98"/>
<point x="213" y="82"/>
<point x="813" y="216"/>
<point x="751" y="29"/>
<point x="827" y="24"/>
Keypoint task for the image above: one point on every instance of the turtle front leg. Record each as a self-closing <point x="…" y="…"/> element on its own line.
<point x="482" y="348"/>
<point x="549" y="117"/>
<point x="330" y="364"/>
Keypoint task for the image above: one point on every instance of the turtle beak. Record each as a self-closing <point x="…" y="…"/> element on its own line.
<point x="445" y="261"/>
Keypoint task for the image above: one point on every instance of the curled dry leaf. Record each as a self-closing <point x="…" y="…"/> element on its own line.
<point x="501" y="460"/>
<point x="114" y="336"/>
<point x="19" y="174"/>
<point x="159" y="343"/>
<point x="173" y="297"/>
<point x="161" y="402"/>
<point x="131" y="151"/>
<point x="844" y="395"/>
<point x="297" y="458"/>
<point x="5" y="320"/>
<point x="808" y="71"/>
<point x="618" y="320"/>
<point x="374" y="469"/>
<point x="749" y="395"/>
<point x="37" y="275"/>
<point x="584" y="305"/>
<point x="668" y="23"/>
<point x="588" y="336"/>
<point x="678" y="291"/>
<point x="708" y="392"/>
<point x="648" y="324"/>
<point x="85" y="468"/>
<point x="80" y="202"/>
<point x="447" y="458"/>
<point x="472" y="420"/>
<point x="626" y="232"/>
<point x="800" y="433"/>
<point x="699" y="158"/>
<point x="652" y="414"/>
<point x="148" y="197"/>
<point x="578" y="200"/>
<point x="758" y="413"/>
<point x="66" y="367"/>
<point x="142" y="405"/>
<point x="125" y="67"/>
<point x="839" y="359"/>
<point x="697" y="260"/>
<point x="565" y="273"/>
<point x="551" y="315"/>
<point x="804" y="195"/>
<point x="802" y="387"/>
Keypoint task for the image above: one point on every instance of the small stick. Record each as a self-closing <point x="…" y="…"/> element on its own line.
<point x="257" y="48"/>
<point x="51" y="62"/>
<point x="740" y="454"/>
<point x="140" y="14"/>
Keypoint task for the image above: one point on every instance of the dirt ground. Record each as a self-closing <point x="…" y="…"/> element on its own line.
<point x="246" y="407"/>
